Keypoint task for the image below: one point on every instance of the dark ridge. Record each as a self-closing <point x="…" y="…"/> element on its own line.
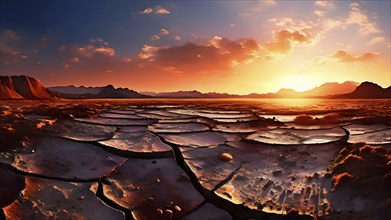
<point x="111" y="203"/>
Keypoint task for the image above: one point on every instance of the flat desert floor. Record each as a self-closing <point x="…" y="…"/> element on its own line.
<point x="195" y="159"/>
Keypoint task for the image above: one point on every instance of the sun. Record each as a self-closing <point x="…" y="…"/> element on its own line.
<point x="299" y="83"/>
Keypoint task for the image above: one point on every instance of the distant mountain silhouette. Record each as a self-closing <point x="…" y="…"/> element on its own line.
<point x="178" y="94"/>
<point x="95" y="92"/>
<point x="75" y="90"/>
<point x="322" y="90"/>
<point x="367" y="90"/>
<point x="326" y="89"/>
<point x="23" y="87"/>
<point x="332" y="88"/>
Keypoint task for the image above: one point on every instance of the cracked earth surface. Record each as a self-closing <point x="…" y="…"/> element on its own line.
<point x="195" y="159"/>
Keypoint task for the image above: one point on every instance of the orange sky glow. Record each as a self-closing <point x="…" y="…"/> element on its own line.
<point x="246" y="47"/>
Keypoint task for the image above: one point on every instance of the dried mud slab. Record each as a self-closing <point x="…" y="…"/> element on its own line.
<point x="206" y="121"/>
<point x="61" y="158"/>
<point x="79" y="131"/>
<point x="50" y="199"/>
<point x="10" y="187"/>
<point x="140" y="141"/>
<point x="115" y="121"/>
<point x="294" y="136"/>
<point x="208" y="166"/>
<point x="177" y="127"/>
<point x="208" y="212"/>
<point x="197" y="139"/>
<point x="377" y="137"/>
<point x="120" y="116"/>
<point x="357" y="129"/>
<point x="246" y="127"/>
<point x="211" y="113"/>
<point x="152" y="189"/>
<point x="264" y="177"/>
<point x="161" y="113"/>
<point x="131" y="129"/>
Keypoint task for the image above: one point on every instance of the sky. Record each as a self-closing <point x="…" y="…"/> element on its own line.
<point x="236" y="47"/>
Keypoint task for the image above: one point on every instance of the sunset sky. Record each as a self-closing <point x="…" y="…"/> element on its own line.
<point x="222" y="46"/>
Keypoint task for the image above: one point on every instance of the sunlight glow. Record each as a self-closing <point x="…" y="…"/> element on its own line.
<point x="299" y="83"/>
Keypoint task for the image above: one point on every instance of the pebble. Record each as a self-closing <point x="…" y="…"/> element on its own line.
<point x="159" y="211"/>
<point x="169" y="211"/>
<point x="226" y="157"/>
<point x="177" y="208"/>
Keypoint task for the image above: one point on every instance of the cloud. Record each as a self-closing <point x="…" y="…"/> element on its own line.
<point x="217" y="55"/>
<point x="155" y="37"/>
<point x="96" y="51"/>
<point x="147" y="11"/>
<point x="96" y="47"/>
<point x="9" y="35"/>
<point x="268" y="2"/>
<point x="284" y="40"/>
<point x="157" y="10"/>
<point x="99" y="41"/>
<point x="290" y="23"/>
<point x="377" y="40"/>
<point x="262" y="4"/>
<point x="360" y="17"/>
<point x="324" y="4"/>
<point x="147" y="51"/>
<point x="9" y="51"/>
<point x="177" y="38"/>
<point x="319" y="13"/>
<point x="346" y="57"/>
<point x="75" y="60"/>
<point x="164" y="32"/>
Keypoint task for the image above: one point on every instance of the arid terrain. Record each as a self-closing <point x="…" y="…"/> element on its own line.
<point x="195" y="159"/>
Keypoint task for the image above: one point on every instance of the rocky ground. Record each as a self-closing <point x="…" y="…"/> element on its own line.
<point x="195" y="159"/>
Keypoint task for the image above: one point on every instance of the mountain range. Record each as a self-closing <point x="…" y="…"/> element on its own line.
<point x="95" y="92"/>
<point x="25" y="87"/>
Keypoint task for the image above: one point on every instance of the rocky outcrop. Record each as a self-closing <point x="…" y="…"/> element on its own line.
<point x="23" y="87"/>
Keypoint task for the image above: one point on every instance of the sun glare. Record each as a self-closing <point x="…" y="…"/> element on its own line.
<point x="299" y="83"/>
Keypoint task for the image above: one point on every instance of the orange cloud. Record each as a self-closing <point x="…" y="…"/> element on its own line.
<point x="284" y="40"/>
<point x="96" y="47"/>
<point x="219" y="54"/>
<point x="324" y="4"/>
<point x="346" y="57"/>
<point x="157" y="10"/>
<point x="319" y="13"/>
<point x="377" y="40"/>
